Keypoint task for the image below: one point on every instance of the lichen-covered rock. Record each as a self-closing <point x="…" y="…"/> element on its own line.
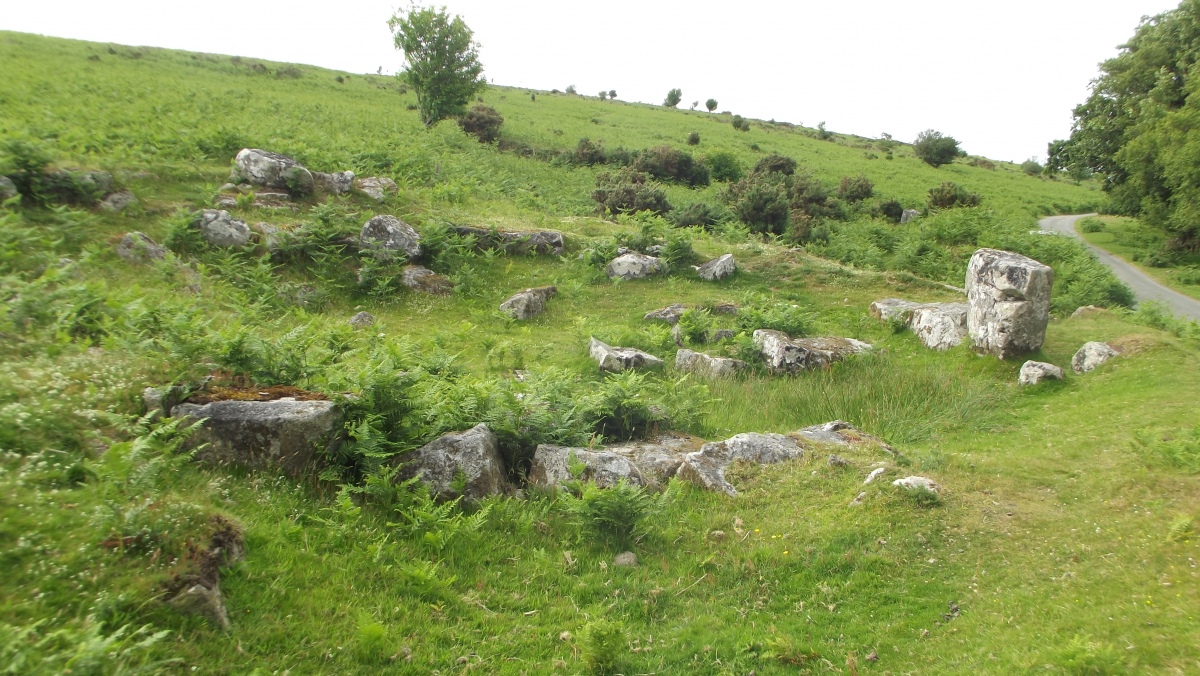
<point x="1092" y="355"/>
<point x="390" y="235"/>
<point x="283" y="434"/>
<point x="635" y="266"/>
<point x="376" y="187"/>
<point x="888" y="309"/>
<point x="669" y="314"/>
<point x="1009" y="297"/>
<point x="839" y="433"/>
<point x="706" y="467"/>
<point x="621" y="358"/>
<point x="705" y="365"/>
<point x="913" y="483"/>
<point x="362" y="320"/>
<point x="718" y="268"/>
<point x="205" y="600"/>
<point x="784" y="354"/>
<point x="1034" y="372"/>
<point x="8" y="189"/>
<point x="338" y="183"/>
<point x="272" y="170"/>
<point x="137" y="247"/>
<point x="118" y="201"/>
<point x="220" y="228"/>
<point x="940" y="326"/>
<point x="528" y="303"/>
<point x="543" y="242"/>
<point x="556" y="465"/>
<point x="470" y="460"/>
<point x="625" y="560"/>
<point x="909" y="215"/>
<point x="425" y="280"/>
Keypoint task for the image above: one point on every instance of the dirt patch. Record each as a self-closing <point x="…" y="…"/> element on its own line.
<point x="1133" y="344"/>
<point x="272" y="393"/>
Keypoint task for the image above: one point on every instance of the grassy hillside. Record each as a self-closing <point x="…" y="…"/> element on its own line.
<point x="1069" y="509"/>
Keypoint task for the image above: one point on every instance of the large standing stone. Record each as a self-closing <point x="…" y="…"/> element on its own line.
<point x="388" y="234"/>
<point x="556" y="465"/>
<point x="718" y="268"/>
<point x="1034" y="372"/>
<point x="528" y="303"/>
<point x="338" y="183"/>
<point x="705" y="365"/>
<point x="1092" y="355"/>
<point x="425" y="280"/>
<point x="789" y="355"/>
<point x="669" y="314"/>
<point x="1009" y="296"/>
<point x="137" y="247"/>
<point x="376" y="187"/>
<point x="940" y="326"/>
<point x="470" y="458"/>
<point x="282" y="434"/>
<point x="621" y="358"/>
<point x="635" y="266"/>
<point x="272" y="170"/>
<point x="220" y="228"/>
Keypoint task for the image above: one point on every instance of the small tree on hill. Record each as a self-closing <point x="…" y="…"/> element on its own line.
<point x="1031" y="167"/>
<point x="934" y="148"/>
<point x="612" y="93"/>
<point x="571" y="89"/>
<point x="711" y="104"/>
<point x="442" y="58"/>
<point x="603" y="95"/>
<point x="673" y="98"/>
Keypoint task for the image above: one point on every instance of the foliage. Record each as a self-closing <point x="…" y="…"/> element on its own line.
<point x="673" y="98"/>
<point x="619" y="515"/>
<point x="1177" y="449"/>
<point x="935" y="149"/>
<point x="87" y="649"/>
<point x="711" y="105"/>
<point x="724" y="166"/>
<point x="790" y="319"/>
<point x="442" y="61"/>
<point x="629" y="191"/>
<point x="23" y="162"/>
<point x="604" y="645"/>
<point x="761" y="201"/>
<point x="950" y="194"/>
<point x="668" y="164"/>
<point x="482" y="122"/>
<point x="693" y="139"/>
<point x="892" y="210"/>
<point x="1032" y="167"/>
<point x="1091" y="224"/>
<point x="695" y="325"/>
<point x="740" y="123"/>
<point x="775" y="164"/>
<point x="700" y="214"/>
<point x="855" y="188"/>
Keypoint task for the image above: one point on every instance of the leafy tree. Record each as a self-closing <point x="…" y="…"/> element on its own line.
<point x="711" y="104"/>
<point x="612" y="93"/>
<point x="443" y="61"/>
<point x="571" y="89"/>
<point x="603" y="95"/>
<point x="934" y="148"/>
<point x="673" y="98"/>
<point x="1031" y="167"/>
<point x="725" y="167"/>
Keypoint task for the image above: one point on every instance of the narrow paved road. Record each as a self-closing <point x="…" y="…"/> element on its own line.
<point x="1144" y="287"/>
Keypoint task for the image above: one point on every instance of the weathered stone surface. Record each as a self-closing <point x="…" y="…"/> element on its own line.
<point x="268" y="235"/>
<point x="118" y="201"/>
<point x="528" y="303"/>
<point x="789" y="355"/>
<point x="362" y="320"/>
<point x="658" y="458"/>
<point x="425" y="280"/>
<point x="722" y="334"/>
<point x="888" y="309"/>
<point x="8" y="189"/>
<point x="338" y="183"/>
<point x="552" y="466"/>
<point x="669" y="314"/>
<point x="283" y="434"/>
<point x="1009" y="297"/>
<point x="205" y="600"/>
<point x="545" y="242"/>
<point x="705" y="365"/>
<point x="220" y="228"/>
<point x="376" y="187"/>
<point x="621" y="358"/>
<point x="272" y="170"/>
<point x="725" y="309"/>
<point x="625" y="560"/>
<point x="389" y="235"/>
<point x="1092" y="355"/>
<point x="635" y="266"/>
<point x="706" y="467"/>
<point x="940" y="326"/>
<point x="137" y="247"/>
<point x="1087" y="311"/>
<point x="1034" y="372"/>
<point x="874" y="474"/>
<point x="839" y="433"/>
<point x="909" y="215"/>
<point x="718" y="268"/>
<point x="913" y="483"/>
<point x="472" y="456"/>
<point x="838" y="461"/>
<point x="75" y="185"/>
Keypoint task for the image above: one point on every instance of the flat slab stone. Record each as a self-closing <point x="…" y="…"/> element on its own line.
<point x="635" y="266"/>
<point x="557" y="465"/>
<point x="1034" y="372"/>
<point x="669" y="314"/>
<point x="621" y="358"/>
<point x="706" y="365"/>
<point x="940" y="326"/>
<point x="888" y="309"/>
<point x="784" y="354"/>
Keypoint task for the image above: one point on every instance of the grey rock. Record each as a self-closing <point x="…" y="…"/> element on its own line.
<point x="425" y="280"/>
<point x="338" y="183"/>
<point x="625" y="560"/>
<point x="916" y="482"/>
<point x="219" y="228"/>
<point x="838" y="461"/>
<point x="789" y="355"/>
<point x="888" y="309"/>
<point x="227" y="187"/>
<point x="1087" y="311"/>
<point x="706" y="467"/>
<point x="669" y="314"/>
<point x="621" y="358"/>
<point x="859" y="499"/>
<point x="390" y="235"/>
<point x="528" y="303"/>
<point x="226" y="202"/>
<point x="1034" y="372"/>
<point x="137" y="247"/>
<point x="8" y="189"/>
<point x="722" y="334"/>
<point x="839" y="433"/>
<point x="552" y="466"/>
<point x="654" y="250"/>
<point x="1092" y="355"/>
<point x="283" y="434"/>
<point x="909" y="215"/>
<point x="658" y="458"/>
<point x="544" y="242"/>
<point x="376" y="187"/>
<point x="1009" y="297"/>
<point x="940" y="326"/>
<point x="362" y="320"/>
<point x="705" y="365"/>
<point x="205" y="600"/>
<point x="272" y="170"/>
<point x="874" y="474"/>
<point x="635" y="266"/>
<point x="725" y="309"/>
<point x="268" y="235"/>
<point x="472" y="456"/>
<point x="718" y="268"/>
<point x="118" y="201"/>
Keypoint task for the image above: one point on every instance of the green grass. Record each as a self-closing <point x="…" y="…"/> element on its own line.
<point x="1069" y="509"/>
<point x="1140" y="245"/>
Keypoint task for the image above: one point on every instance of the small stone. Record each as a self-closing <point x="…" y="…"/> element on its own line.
<point x="1034" y="372"/>
<point x="626" y="560"/>
<point x="859" y="499"/>
<point x="137" y="247"/>
<point x="725" y="309"/>
<point x="717" y="269"/>
<point x="872" y="657"/>
<point x="875" y="474"/>
<point x="1087" y="311"/>
<point x="388" y="234"/>
<point x="528" y="303"/>
<point x="708" y="366"/>
<point x="8" y="189"/>
<point x="635" y="266"/>
<point x="836" y="461"/>
<point x="337" y="183"/>
<point x="206" y="601"/>
<point x="425" y="280"/>
<point x="221" y="229"/>
<point x="376" y="187"/>
<point x="669" y="314"/>
<point x="909" y="215"/>
<point x="915" y="482"/>
<point x="362" y="320"/>
<point x="1092" y="355"/>
<point x="621" y="358"/>
<point x="565" y="636"/>
<point x="716" y="535"/>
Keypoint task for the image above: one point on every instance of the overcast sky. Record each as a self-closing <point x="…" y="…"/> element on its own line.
<point x="1001" y="76"/>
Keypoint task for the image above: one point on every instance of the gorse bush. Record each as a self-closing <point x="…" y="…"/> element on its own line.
<point x="629" y="191"/>
<point x="693" y="139"/>
<point x="482" y="122"/>
<point x="668" y="164"/>
<point x="761" y="202"/>
<point x="775" y="164"/>
<point x="700" y="214"/>
<point x="724" y="166"/>
<point x="855" y="188"/>
<point x="949" y="195"/>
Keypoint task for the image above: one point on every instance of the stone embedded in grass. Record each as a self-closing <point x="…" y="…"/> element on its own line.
<point x="913" y="483"/>
<point x="464" y="463"/>
<point x="909" y="215"/>
<point x="1034" y="372"/>
<point x="376" y="187"/>
<point x="543" y="242"/>
<point x="705" y="365"/>
<point x="137" y="247"/>
<point x="635" y="266"/>
<point x="118" y="201"/>
<point x="621" y="358"/>
<point x="204" y="600"/>
<point x="8" y="189"/>
<point x="625" y="560"/>
<point x="556" y="465"/>
<point x="940" y="326"/>
<point x="1087" y="311"/>
<point x="425" y="280"/>
<point x="888" y="309"/>
<point x="388" y="234"/>
<point x="362" y="320"/>
<point x="706" y="467"/>
<point x="272" y="170"/>
<point x="784" y="354"/>
<point x="718" y="268"/>
<point x="338" y="183"/>
<point x="1009" y="297"/>
<point x="219" y="228"/>
<point x="874" y="474"/>
<point x="838" y="461"/>
<point x="1091" y="355"/>
<point x="669" y="314"/>
<point x="528" y="303"/>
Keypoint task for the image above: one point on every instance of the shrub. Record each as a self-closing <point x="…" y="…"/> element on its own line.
<point x="603" y="95"/>
<point x="693" y="139"/>
<point x="1031" y="167"/>
<point x="673" y="98"/>
<point x="711" y="104"/>
<point x="666" y="163"/>
<point x="950" y="194"/>
<point x="482" y="122"/>
<point x="934" y="148"/>
<point x="678" y="252"/>
<point x="588" y="153"/>
<point x="24" y="163"/>
<point x="618" y="514"/>
<point x="855" y="188"/>
<point x="604" y="644"/>
<point x="823" y="133"/>
<point x="1091" y="225"/>
<point x="775" y="164"/>
<point x="571" y="89"/>
<point x="791" y="319"/>
<point x="725" y="167"/>
<point x="740" y="123"/>
<point x="982" y="163"/>
<point x="700" y="214"/>
<point x="289" y="73"/>
<point x="891" y="210"/>
<point x="695" y="325"/>
<point x="629" y="191"/>
<point x="761" y="202"/>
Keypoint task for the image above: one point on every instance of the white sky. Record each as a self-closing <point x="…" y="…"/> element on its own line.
<point x="1001" y="76"/>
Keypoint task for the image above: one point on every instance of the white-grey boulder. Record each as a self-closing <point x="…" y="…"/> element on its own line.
<point x="1009" y="297"/>
<point x="706" y="467"/>
<point x="1092" y="355"/>
<point x="913" y="483"/>
<point x="118" y="201"/>
<point x="784" y="354"/>
<point x="706" y="365"/>
<point x="621" y="358"/>
<point x="669" y="314"/>
<point x="888" y="309"/>
<point x="272" y="170"/>
<point x="556" y="465"/>
<point x="528" y="303"/>
<point x="909" y="215"/>
<point x="338" y="183"/>
<point x="718" y="268"/>
<point x="137" y="247"/>
<point x="635" y="266"/>
<point x="1034" y="372"/>
<point x="472" y="457"/>
<point x="388" y="235"/>
<point x="220" y="228"/>
<point x="376" y="187"/>
<point x="940" y="326"/>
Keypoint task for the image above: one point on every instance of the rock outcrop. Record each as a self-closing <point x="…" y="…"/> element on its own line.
<point x="706" y="365"/>
<point x="221" y="229"/>
<point x="635" y="266"/>
<point x="556" y="465"/>
<point x="1092" y="355"/>
<point x="1034" y="372"/>
<point x="669" y="314"/>
<point x="1009" y="297"/>
<point x="621" y="358"/>
<point x="272" y="170"/>
<point x="542" y="242"/>
<point x="470" y="460"/>
<point x="718" y="268"/>
<point x="376" y="187"/>
<point x="888" y="309"/>
<point x="137" y="247"/>
<point x="784" y="354"/>
<point x="425" y="280"/>
<point x="389" y="235"/>
<point x="528" y="303"/>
